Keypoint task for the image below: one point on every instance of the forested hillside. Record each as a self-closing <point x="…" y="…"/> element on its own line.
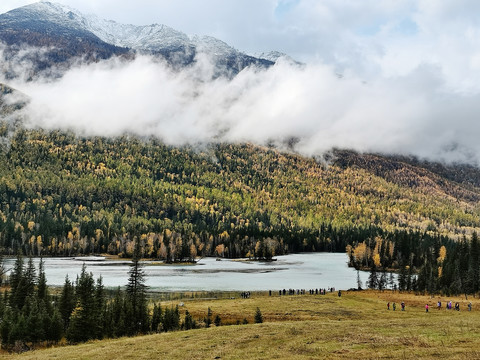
<point x="62" y="194"/>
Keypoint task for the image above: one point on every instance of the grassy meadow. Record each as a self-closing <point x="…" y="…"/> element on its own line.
<point x="355" y="326"/>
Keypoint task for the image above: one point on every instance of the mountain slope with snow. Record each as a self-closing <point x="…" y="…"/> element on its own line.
<point x="70" y="33"/>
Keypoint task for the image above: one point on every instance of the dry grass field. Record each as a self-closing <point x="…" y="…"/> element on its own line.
<point x="355" y="326"/>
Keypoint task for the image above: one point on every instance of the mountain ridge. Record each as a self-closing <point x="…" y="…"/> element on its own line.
<point x="74" y="34"/>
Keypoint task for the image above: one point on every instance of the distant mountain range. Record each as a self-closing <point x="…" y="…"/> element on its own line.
<point x="66" y="33"/>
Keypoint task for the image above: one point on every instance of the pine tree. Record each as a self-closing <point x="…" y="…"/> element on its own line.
<point x="208" y="319"/>
<point x="382" y="282"/>
<point x="474" y="265"/>
<point x="171" y="319"/>
<point x="157" y="318"/>
<point x="464" y="263"/>
<point x="30" y="278"/>
<point x="117" y="323"/>
<point x="100" y="309"/>
<point x="372" y="278"/>
<point x="402" y="278"/>
<point x="6" y="325"/>
<point x="189" y="323"/>
<point x="17" y="284"/>
<point x="67" y="302"/>
<point x="82" y="322"/>
<point x="34" y="329"/>
<point x="55" y="330"/>
<point x="258" y="318"/>
<point x="42" y="291"/>
<point x="136" y="295"/>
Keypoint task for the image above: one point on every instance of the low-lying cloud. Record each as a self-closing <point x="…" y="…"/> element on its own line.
<point x="414" y="113"/>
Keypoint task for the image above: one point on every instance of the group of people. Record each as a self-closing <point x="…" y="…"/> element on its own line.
<point x="427" y="307"/>
<point x="394" y="306"/>
<point x="303" y="291"/>
<point x="456" y="306"/>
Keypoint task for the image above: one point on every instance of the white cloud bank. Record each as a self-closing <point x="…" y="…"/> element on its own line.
<point x="411" y="80"/>
<point x="409" y="114"/>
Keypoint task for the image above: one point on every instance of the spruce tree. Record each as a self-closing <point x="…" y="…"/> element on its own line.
<point x="42" y="291"/>
<point x="372" y="278"/>
<point x="258" y="318"/>
<point x="402" y="278"/>
<point x="67" y="302"/>
<point x="136" y="295"/>
<point x="189" y="323"/>
<point x="157" y="318"/>
<point x="17" y="284"/>
<point x="474" y="265"/>
<point x="382" y="282"/>
<point x="55" y="330"/>
<point x="117" y="315"/>
<point x="100" y="309"/>
<point x="6" y="325"/>
<point x="34" y="329"/>
<point x="30" y="278"/>
<point x="82" y="322"/>
<point x="208" y="319"/>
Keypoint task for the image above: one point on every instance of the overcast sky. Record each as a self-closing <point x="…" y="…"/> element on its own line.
<point x="411" y="74"/>
<point x="368" y="37"/>
<point x="404" y="32"/>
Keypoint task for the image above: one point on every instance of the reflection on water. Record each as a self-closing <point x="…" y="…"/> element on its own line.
<point x="297" y="271"/>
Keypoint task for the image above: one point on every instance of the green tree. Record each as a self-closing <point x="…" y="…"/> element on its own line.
<point x="258" y="318"/>
<point x="189" y="323"/>
<point x="42" y="290"/>
<point x="17" y="284"/>
<point x="373" y="278"/>
<point x="156" y="320"/>
<point x="83" y="321"/>
<point x="67" y="302"/>
<point x="402" y="278"/>
<point x="473" y="280"/>
<point x="100" y="309"/>
<point x="136" y="295"/>
<point x="55" y="330"/>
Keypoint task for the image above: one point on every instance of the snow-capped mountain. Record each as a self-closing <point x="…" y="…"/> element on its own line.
<point x="274" y="56"/>
<point x="71" y="33"/>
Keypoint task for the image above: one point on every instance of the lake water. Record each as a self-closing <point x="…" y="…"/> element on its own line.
<point x="296" y="271"/>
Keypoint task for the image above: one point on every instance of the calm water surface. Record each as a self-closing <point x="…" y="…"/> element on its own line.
<point x="297" y="271"/>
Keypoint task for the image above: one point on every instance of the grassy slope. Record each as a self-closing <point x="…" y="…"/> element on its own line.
<point x="304" y="327"/>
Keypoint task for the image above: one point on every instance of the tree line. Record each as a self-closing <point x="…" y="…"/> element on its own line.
<point x="439" y="266"/>
<point x="82" y="311"/>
